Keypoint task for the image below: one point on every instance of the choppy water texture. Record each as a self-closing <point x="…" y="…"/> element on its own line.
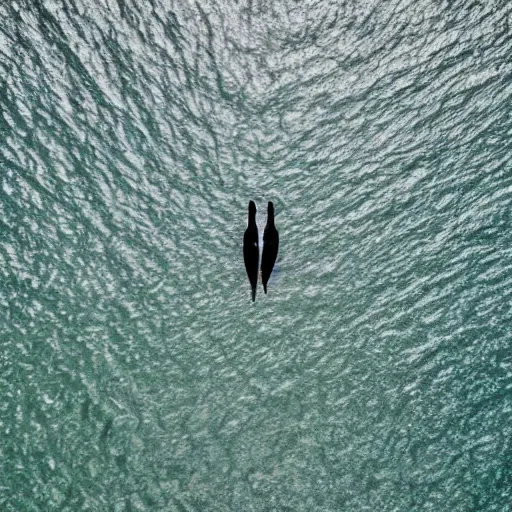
<point x="136" y="374"/>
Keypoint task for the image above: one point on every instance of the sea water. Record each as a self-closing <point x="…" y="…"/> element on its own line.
<point x="135" y="372"/>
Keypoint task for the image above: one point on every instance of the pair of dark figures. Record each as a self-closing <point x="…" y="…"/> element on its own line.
<point x="251" y="248"/>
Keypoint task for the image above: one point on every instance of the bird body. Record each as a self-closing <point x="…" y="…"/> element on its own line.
<point x="270" y="246"/>
<point x="251" y="249"/>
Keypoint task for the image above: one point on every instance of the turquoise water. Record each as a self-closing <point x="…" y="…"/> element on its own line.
<point x="136" y="373"/>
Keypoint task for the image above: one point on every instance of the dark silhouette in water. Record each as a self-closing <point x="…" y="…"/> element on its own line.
<point x="270" y="246"/>
<point x="251" y="249"/>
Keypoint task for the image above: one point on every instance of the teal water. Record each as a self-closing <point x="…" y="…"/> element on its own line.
<point x="135" y="372"/>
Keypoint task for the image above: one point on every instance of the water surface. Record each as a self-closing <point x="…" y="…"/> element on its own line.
<point x="136" y="373"/>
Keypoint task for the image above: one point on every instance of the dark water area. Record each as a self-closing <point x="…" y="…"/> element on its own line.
<point x="135" y="372"/>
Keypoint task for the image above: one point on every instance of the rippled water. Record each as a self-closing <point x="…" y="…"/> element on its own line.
<point x="136" y="373"/>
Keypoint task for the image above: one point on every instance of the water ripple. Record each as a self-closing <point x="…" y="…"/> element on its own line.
<point x="136" y="372"/>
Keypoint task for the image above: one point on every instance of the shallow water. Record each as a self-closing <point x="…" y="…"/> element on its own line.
<point x="136" y="373"/>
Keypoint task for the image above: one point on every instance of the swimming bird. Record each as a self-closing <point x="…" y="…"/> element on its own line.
<point x="270" y="246"/>
<point x="251" y="249"/>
